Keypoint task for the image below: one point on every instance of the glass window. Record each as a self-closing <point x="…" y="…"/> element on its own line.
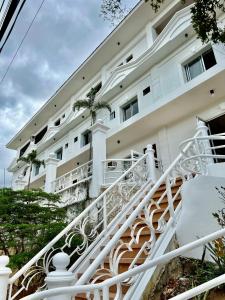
<point x="59" y="153"/>
<point x="36" y="170"/>
<point x="112" y="115"/>
<point x="57" y="122"/>
<point x="209" y="59"/>
<point x="86" y="138"/>
<point x="129" y="58"/>
<point x="146" y="91"/>
<point x="130" y="109"/>
<point x="200" y="64"/>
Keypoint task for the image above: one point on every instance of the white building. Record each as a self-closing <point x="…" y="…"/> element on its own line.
<point x="157" y="77"/>
<point x="160" y="81"/>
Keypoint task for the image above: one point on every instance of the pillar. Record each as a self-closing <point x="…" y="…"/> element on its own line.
<point x="99" y="131"/>
<point x="4" y="276"/>
<point x="201" y="126"/>
<point x="60" y="277"/>
<point x="151" y="163"/>
<point x="51" y="168"/>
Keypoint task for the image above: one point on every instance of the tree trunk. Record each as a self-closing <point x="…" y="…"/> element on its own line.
<point x="28" y="185"/>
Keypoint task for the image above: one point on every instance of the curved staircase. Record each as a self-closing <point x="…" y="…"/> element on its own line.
<point x="134" y="246"/>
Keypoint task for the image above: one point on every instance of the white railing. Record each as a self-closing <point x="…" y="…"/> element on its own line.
<point x="144" y="215"/>
<point x="73" y="177"/>
<point x="79" y="237"/>
<point x="102" y="289"/>
<point x="203" y="153"/>
<point x="115" y="246"/>
<point x="114" y="168"/>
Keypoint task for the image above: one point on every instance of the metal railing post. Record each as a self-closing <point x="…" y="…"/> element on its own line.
<point x="151" y="163"/>
<point x="169" y="197"/>
<point x="4" y="276"/>
<point x="60" y="277"/>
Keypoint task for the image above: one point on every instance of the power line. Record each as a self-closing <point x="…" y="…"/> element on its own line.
<point x="24" y="37"/>
<point x="13" y="24"/>
<point x="2" y="5"/>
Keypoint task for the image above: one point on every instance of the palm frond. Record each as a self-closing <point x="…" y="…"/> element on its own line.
<point x="38" y="162"/>
<point x="81" y="104"/>
<point x="102" y="105"/>
<point x="24" y="159"/>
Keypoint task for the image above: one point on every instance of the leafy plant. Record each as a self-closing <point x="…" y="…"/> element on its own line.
<point x="29" y="219"/>
<point x="204" y="16"/>
<point x="31" y="160"/>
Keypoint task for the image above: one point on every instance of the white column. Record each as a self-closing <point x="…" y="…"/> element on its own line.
<point x="19" y="184"/>
<point x="206" y="143"/>
<point x="60" y="277"/>
<point x="99" y="155"/>
<point x="151" y="163"/>
<point x="103" y="74"/>
<point x="151" y="34"/>
<point x="4" y="276"/>
<point x="51" y="168"/>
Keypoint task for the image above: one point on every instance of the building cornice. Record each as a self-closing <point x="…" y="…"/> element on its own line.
<point x="124" y="32"/>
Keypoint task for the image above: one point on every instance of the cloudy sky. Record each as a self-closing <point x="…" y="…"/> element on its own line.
<point x="62" y="36"/>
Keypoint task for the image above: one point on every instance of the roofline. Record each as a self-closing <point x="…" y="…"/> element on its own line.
<point x="77" y="70"/>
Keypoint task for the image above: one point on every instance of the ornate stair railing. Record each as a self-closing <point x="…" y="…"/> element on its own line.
<point x="102" y="289"/>
<point x="144" y="212"/>
<point x="202" y="152"/>
<point x="80" y="236"/>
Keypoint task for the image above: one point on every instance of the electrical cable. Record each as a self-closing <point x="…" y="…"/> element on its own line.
<point x="3" y="2"/>
<point x="24" y="37"/>
<point x="14" y="22"/>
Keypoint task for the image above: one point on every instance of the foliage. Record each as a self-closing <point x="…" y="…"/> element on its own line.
<point x="29" y="219"/>
<point x="92" y="105"/>
<point x="31" y="160"/>
<point x="204" y="16"/>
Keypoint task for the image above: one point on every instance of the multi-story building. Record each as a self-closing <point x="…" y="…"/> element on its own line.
<point x="157" y="77"/>
<point x="161" y="83"/>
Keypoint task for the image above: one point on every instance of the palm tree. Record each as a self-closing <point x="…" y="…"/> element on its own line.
<point x="93" y="107"/>
<point x="31" y="159"/>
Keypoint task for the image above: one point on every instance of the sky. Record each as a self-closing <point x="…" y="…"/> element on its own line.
<point x="63" y="35"/>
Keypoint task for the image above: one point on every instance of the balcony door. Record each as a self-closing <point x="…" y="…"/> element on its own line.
<point x="217" y="125"/>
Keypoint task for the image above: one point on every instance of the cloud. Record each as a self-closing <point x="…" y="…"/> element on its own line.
<point x="63" y="35"/>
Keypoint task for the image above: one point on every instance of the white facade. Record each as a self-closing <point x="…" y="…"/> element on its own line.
<point x="143" y="60"/>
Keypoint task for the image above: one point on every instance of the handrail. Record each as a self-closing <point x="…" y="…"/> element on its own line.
<point x="201" y="288"/>
<point x="77" y="168"/>
<point x="77" y="221"/>
<point x="164" y="178"/>
<point x="203" y="153"/>
<point x="73" y="185"/>
<point x="163" y="259"/>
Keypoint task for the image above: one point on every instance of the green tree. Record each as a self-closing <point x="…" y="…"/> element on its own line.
<point x="92" y="106"/>
<point x="31" y="160"/>
<point x="204" y="16"/>
<point x="29" y="219"/>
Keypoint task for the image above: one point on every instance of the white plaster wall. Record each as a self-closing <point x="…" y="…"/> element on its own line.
<point x="136" y="47"/>
<point x="199" y="201"/>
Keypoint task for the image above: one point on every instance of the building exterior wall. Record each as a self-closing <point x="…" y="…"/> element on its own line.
<point x="167" y="115"/>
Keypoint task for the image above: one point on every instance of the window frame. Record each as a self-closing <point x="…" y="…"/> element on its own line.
<point x="130" y="104"/>
<point x="57" y="152"/>
<point x="86" y="132"/>
<point x="200" y="56"/>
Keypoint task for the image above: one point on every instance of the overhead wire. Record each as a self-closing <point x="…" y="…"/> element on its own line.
<point x="14" y="22"/>
<point x="3" y="2"/>
<point x="21" y="43"/>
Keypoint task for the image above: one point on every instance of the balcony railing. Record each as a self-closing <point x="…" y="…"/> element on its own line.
<point x="72" y="178"/>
